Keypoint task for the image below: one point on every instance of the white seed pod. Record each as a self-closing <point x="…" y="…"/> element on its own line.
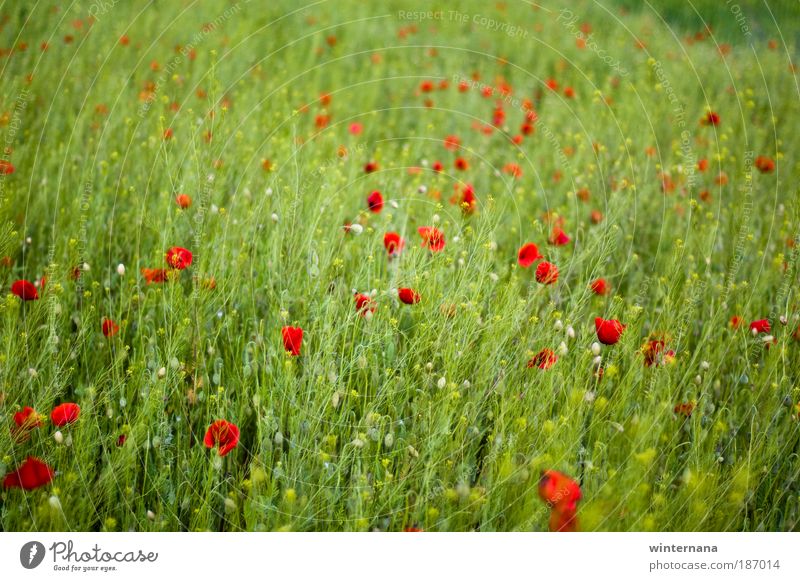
<point x="58" y="437"/>
<point x="356" y="229"/>
<point x="441" y="383"/>
<point x="558" y="325"/>
<point x="705" y="365"/>
<point x="121" y="269"/>
<point x="570" y="332"/>
<point x="162" y="373"/>
<point x="151" y="515"/>
<point x="595" y="348"/>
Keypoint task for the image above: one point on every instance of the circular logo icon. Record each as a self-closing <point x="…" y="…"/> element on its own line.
<point x="31" y="554"/>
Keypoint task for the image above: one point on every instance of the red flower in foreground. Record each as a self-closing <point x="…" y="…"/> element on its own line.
<point x="179" y="258"/>
<point x="528" y="254"/>
<point x="110" y="328"/>
<point x="393" y="243"/>
<point x="760" y="326"/>
<point x="432" y="237"/>
<point x="364" y="304"/>
<point x="155" y="275"/>
<point x="224" y="434"/>
<point x="544" y="359"/>
<point x="561" y="494"/>
<point x="375" y="202"/>
<point x="183" y="201"/>
<point x="558" y="237"/>
<point x="546" y="272"/>
<point x="710" y="118"/>
<point x="408" y="296"/>
<point x="765" y="164"/>
<point x="64" y="414"/>
<point x="6" y="167"/>
<point x="25" y="421"/>
<point x="25" y="290"/>
<point x="292" y="339"/>
<point x="608" y="331"/>
<point x="599" y="286"/>
<point x="31" y="474"/>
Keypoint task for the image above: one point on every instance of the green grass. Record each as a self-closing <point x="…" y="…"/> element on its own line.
<point x="360" y="432"/>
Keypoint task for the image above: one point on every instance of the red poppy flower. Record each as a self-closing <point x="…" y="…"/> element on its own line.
<point x="24" y="422"/>
<point x="468" y="199"/>
<point x="596" y="216"/>
<point x="736" y="322"/>
<point x="432" y="237"/>
<point x="184" y="201"/>
<point x="393" y="243"/>
<point x="31" y="474"/>
<point x="544" y="359"/>
<point x="710" y="118"/>
<point x="559" y="490"/>
<point x="761" y="326"/>
<point x="684" y="409"/>
<point x="64" y="414"/>
<point x="461" y="163"/>
<point x="408" y="296"/>
<point x="437" y="166"/>
<point x="121" y="440"/>
<point x="110" y="328"/>
<point x="355" y="128"/>
<point x="764" y="164"/>
<point x="528" y="254"/>
<point x="654" y="353"/>
<point x="364" y="304"/>
<point x="371" y="166"/>
<point x="599" y="286"/>
<point x="179" y="258"/>
<point x="25" y="290"/>
<point x="546" y="272"/>
<point x="608" y="331"/>
<point x="155" y="275"/>
<point x="6" y="167"/>
<point x="375" y="202"/>
<point x="452" y="142"/>
<point x="292" y="339"/>
<point x="413" y="530"/>
<point x="702" y="165"/>
<point x="565" y="521"/>
<point x="224" y="434"/>
<point x="558" y="237"/>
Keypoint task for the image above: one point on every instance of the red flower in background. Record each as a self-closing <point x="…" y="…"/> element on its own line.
<point x="66" y="413"/>
<point x="760" y="326"/>
<point x="155" y="275"/>
<point x="468" y="199"/>
<point x="393" y="243"/>
<point x="546" y="273"/>
<point x="558" y="237"/>
<point x="24" y="290"/>
<point x="25" y="421"/>
<point x="292" y="339"/>
<point x="432" y="238"/>
<point x="110" y="328"/>
<point x="528" y="254"/>
<point x="6" y="167"/>
<point x="765" y="164"/>
<point x="375" y="202"/>
<point x="31" y="474"/>
<point x="179" y="258"/>
<point x="608" y="331"/>
<point x="371" y="166"/>
<point x="408" y="296"/>
<point x="183" y="201"/>
<point x="544" y="359"/>
<point x="736" y="322"/>
<point x="461" y="164"/>
<point x="684" y="409"/>
<point x="364" y="304"/>
<point x="655" y="354"/>
<point x="710" y="118"/>
<point x="223" y="434"/>
<point x="599" y="286"/>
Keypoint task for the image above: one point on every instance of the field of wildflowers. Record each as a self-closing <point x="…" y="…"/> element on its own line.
<point x="494" y="266"/>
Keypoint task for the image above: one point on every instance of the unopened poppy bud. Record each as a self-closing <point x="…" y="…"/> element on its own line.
<point x="595" y="348"/>
<point x="562" y="349"/>
<point x="698" y="380"/>
<point x="121" y="269"/>
<point x="705" y="365"/>
<point x="597" y="361"/>
<point x="570" y="332"/>
<point x="441" y="383"/>
<point x="54" y="502"/>
<point x="230" y="505"/>
<point x="274" y="217"/>
<point x="558" y="325"/>
<point x="162" y="372"/>
<point x="388" y="440"/>
<point x="58" y="437"/>
<point x="783" y="319"/>
<point x="151" y="515"/>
